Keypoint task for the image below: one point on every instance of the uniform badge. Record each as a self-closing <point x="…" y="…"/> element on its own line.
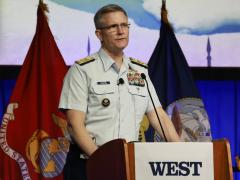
<point x="105" y="102"/>
<point x="134" y="78"/>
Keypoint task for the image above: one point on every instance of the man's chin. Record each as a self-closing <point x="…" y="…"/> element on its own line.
<point x="122" y="46"/>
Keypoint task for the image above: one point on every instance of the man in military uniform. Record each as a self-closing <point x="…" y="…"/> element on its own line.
<point x="104" y="95"/>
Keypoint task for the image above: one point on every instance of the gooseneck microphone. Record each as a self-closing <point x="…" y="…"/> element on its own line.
<point x="143" y="76"/>
<point x="120" y="81"/>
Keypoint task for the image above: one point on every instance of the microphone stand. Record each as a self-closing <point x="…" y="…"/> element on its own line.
<point x="143" y="76"/>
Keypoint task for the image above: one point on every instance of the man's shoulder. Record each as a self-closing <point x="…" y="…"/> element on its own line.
<point x="86" y="60"/>
<point x="138" y="62"/>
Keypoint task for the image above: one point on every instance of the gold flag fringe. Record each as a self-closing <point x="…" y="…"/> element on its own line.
<point x="164" y="14"/>
<point x="44" y="8"/>
<point x="238" y="162"/>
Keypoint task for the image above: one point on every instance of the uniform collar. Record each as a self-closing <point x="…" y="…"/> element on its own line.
<point x="108" y="61"/>
<point x="130" y="65"/>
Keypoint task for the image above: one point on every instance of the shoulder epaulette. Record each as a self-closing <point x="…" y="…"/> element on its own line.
<point x="137" y="62"/>
<point x="86" y="60"/>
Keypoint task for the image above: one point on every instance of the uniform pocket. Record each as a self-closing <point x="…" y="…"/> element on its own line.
<point x="101" y="98"/>
<point x="138" y="90"/>
<point x="140" y="98"/>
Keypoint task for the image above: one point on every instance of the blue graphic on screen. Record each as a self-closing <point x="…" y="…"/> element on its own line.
<point x="146" y="18"/>
<point x="207" y="31"/>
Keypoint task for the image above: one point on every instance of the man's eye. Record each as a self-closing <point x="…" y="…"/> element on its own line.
<point x="124" y="25"/>
<point x="113" y="26"/>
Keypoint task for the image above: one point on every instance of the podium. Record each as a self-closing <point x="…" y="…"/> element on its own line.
<point x="115" y="160"/>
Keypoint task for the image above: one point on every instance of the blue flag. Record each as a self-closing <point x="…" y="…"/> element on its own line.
<point x="172" y="79"/>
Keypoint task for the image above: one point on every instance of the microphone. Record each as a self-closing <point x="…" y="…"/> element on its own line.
<point x="143" y="76"/>
<point x="120" y="81"/>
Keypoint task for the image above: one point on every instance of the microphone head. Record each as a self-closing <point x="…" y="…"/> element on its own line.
<point x="143" y="76"/>
<point x="120" y="81"/>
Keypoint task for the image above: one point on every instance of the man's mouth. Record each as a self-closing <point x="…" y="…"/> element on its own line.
<point x="119" y="39"/>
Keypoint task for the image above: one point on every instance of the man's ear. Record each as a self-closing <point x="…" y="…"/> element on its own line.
<point x="99" y="35"/>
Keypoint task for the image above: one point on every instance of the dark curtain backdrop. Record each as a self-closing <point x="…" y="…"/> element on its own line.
<point x="221" y="98"/>
<point x="6" y="87"/>
<point x="222" y="102"/>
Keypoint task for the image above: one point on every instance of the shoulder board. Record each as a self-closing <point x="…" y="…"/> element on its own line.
<point x="86" y="60"/>
<point x="137" y="62"/>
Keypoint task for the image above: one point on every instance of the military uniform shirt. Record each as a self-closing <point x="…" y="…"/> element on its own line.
<point x="113" y="110"/>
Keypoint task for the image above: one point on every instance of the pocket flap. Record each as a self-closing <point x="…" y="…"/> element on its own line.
<point x="138" y="90"/>
<point x="103" y="87"/>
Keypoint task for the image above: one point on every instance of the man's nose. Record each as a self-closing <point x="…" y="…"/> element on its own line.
<point x="120" y="29"/>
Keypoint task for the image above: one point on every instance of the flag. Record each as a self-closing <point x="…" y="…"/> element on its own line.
<point x="172" y="79"/>
<point x="32" y="133"/>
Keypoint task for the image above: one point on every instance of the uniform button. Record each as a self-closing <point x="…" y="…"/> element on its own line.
<point x="105" y="102"/>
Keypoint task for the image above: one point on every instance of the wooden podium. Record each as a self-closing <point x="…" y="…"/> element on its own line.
<point x="115" y="161"/>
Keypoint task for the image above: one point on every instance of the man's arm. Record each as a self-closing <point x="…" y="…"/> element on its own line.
<point x="79" y="132"/>
<point x="167" y="125"/>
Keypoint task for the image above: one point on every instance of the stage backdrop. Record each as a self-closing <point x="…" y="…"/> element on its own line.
<point x="208" y="30"/>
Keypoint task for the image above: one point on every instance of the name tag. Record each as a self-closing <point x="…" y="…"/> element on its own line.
<point x="103" y="82"/>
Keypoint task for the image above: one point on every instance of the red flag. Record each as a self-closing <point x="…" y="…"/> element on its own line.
<point x="32" y="134"/>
